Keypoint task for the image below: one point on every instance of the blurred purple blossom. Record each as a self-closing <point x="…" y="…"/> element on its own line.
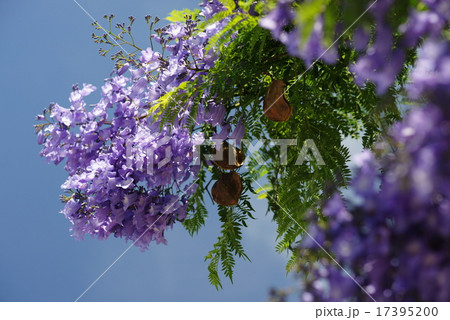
<point x="396" y="242"/>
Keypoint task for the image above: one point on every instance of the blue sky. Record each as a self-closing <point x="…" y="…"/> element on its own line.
<point x="46" y="47"/>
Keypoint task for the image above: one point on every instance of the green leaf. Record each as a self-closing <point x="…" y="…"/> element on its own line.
<point x="262" y="191"/>
<point x="307" y="14"/>
<point x="331" y="16"/>
<point x="180" y="15"/>
<point x="229" y="4"/>
<point x="159" y="106"/>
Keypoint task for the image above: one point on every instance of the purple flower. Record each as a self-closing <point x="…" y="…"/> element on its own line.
<point x="224" y="133"/>
<point x="123" y="69"/>
<point x="149" y="55"/>
<point x="126" y="175"/>
<point x="431" y="76"/>
<point x="393" y="241"/>
<point x="278" y="18"/>
<point x="238" y="132"/>
<point x="360" y="39"/>
<point x="176" y="30"/>
<point x="336" y="210"/>
<point x="314" y="48"/>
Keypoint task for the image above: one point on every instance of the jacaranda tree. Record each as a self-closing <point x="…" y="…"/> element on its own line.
<point x="258" y="96"/>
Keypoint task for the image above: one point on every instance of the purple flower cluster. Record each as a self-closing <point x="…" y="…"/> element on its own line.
<point x="382" y="60"/>
<point x="283" y="16"/>
<point x="125" y="174"/>
<point x="129" y="174"/>
<point x="431" y="75"/>
<point x="395" y="242"/>
<point x="378" y="62"/>
<point x="190" y="60"/>
<point x="394" y="236"/>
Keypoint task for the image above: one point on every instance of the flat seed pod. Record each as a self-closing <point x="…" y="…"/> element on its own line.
<point x="227" y="190"/>
<point x="276" y="107"/>
<point x="232" y="157"/>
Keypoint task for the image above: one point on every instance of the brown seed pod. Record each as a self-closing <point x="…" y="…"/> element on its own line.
<point x="232" y="157"/>
<point x="276" y="107"/>
<point x="227" y="190"/>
